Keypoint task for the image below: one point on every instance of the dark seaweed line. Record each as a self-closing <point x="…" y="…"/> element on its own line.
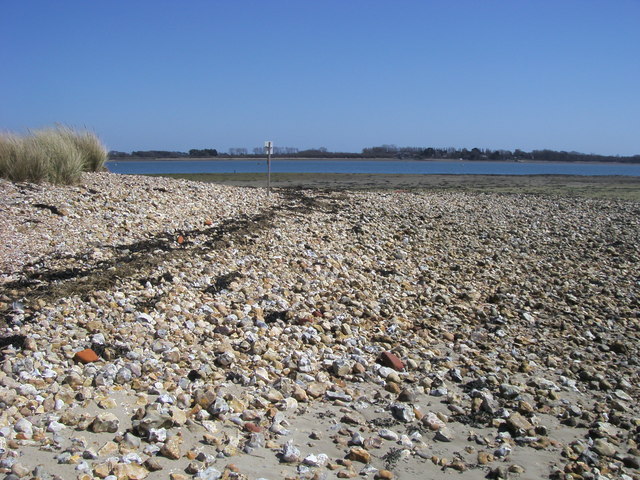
<point x="139" y="257"/>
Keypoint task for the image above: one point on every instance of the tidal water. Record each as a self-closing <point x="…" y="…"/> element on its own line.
<point x="371" y="166"/>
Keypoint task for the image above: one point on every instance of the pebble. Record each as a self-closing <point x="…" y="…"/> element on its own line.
<point x="172" y="448"/>
<point x="358" y="454"/>
<point x="444" y="434"/>
<point x="105" y="422"/>
<point x="290" y="453"/>
<point x="86" y="356"/>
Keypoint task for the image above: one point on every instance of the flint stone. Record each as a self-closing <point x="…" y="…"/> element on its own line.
<point x="316" y="460"/>
<point x="518" y="424"/>
<point x="130" y="471"/>
<point x="209" y="474"/>
<point x="340" y="368"/>
<point x="171" y="448"/>
<point x="602" y="447"/>
<point x="152" y="420"/>
<point x="157" y="435"/>
<point x="219" y="407"/>
<point x="105" y="422"/>
<point x="290" y="453"/>
<point x="358" y="454"/>
<point x="444" y="435"/>
<point x="357" y="439"/>
<point x="24" y="426"/>
<point x="407" y="395"/>
<point x="388" y="434"/>
<point x="353" y="418"/>
<point x="331" y="395"/>
<point x="404" y="413"/>
<point x="152" y="464"/>
<point x="631" y="462"/>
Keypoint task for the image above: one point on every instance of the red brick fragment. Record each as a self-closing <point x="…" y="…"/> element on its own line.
<point x="86" y="356"/>
<point x="390" y="360"/>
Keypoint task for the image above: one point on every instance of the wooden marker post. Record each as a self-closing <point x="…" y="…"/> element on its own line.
<point x="268" y="147"/>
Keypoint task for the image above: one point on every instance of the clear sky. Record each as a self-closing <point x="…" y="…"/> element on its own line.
<point x="343" y="74"/>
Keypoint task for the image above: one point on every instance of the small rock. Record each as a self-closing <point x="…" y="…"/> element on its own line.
<point x="108" y="449"/>
<point x="407" y="395"/>
<point x="383" y="475"/>
<point x="316" y="460"/>
<point x="130" y="471"/>
<point x="485" y="458"/>
<point x="20" y="470"/>
<point x="602" y="447"/>
<point x="340" y="367"/>
<point x="24" y="426"/>
<point x="210" y="473"/>
<point x="631" y="462"/>
<point x="458" y="465"/>
<point x="404" y="413"/>
<point x="502" y="451"/>
<point x="388" y="435"/>
<point x="358" y="454"/>
<point x="105" y="422"/>
<point x="252" y="427"/>
<point x="152" y="464"/>
<point x="86" y="356"/>
<point x="444" y="435"/>
<point x="390" y="360"/>
<point x="194" y="467"/>
<point x="290" y="453"/>
<point x="171" y="448"/>
<point x="353" y="418"/>
<point x="347" y="473"/>
<point x="432" y="421"/>
<point x="518" y="424"/>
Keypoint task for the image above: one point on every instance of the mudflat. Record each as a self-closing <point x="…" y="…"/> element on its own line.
<point x="566" y="185"/>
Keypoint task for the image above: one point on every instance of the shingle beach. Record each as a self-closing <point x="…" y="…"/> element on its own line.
<point x="158" y="328"/>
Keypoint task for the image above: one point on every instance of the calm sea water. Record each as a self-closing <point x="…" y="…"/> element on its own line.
<point x="371" y="166"/>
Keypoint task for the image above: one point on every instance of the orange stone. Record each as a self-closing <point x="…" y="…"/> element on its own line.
<point x="208" y="221"/>
<point x="86" y="356"/>
<point x="180" y="239"/>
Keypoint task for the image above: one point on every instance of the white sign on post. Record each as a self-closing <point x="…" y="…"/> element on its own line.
<point x="268" y="148"/>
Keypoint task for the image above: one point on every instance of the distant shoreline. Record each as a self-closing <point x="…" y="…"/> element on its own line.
<point x="348" y="159"/>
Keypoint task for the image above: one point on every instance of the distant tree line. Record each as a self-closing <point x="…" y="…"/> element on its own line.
<point x="193" y="153"/>
<point x="486" y="154"/>
<point x="389" y="151"/>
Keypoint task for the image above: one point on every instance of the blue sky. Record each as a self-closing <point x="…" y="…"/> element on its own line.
<point x="343" y="74"/>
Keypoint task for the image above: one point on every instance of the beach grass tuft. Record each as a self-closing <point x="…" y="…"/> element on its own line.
<point x="58" y="155"/>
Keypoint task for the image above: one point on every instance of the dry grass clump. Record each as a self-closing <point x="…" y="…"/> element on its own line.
<point x="94" y="153"/>
<point x="57" y="155"/>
